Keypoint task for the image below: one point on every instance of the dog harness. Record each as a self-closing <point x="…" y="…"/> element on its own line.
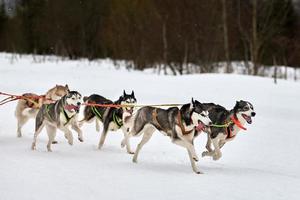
<point x="184" y="132"/>
<point x="66" y="116"/>
<point x="154" y="116"/>
<point x="117" y="119"/>
<point x="229" y="129"/>
<point x="97" y="113"/>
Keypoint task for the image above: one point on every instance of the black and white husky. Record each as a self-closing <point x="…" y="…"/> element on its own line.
<point x="233" y="121"/>
<point x="111" y="117"/>
<point x="178" y="124"/>
<point x="59" y="115"/>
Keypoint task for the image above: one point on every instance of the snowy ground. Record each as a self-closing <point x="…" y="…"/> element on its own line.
<point x="261" y="163"/>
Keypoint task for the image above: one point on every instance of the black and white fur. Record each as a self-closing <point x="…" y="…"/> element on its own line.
<point x="166" y="121"/>
<point x="107" y="115"/>
<point x="243" y="111"/>
<point x="54" y="116"/>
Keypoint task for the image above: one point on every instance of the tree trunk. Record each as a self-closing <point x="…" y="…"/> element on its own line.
<point x="275" y="69"/>
<point x="254" y="50"/>
<point x="225" y="34"/>
<point x="165" y="46"/>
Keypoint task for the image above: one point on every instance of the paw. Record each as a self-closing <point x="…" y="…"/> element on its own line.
<point x="130" y="152"/>
<point x="134" y="160"/>
<point x="122" y="144"/>
<point x="216" y="157"/>
<point x="70" y="141"/>
<point x="100" y="146"/>
<point x="198" y="172"/>
<point x="204" y="153"/>
<point x="33" y="147"/>
<point x="19" y="135"/>
<point x="80" y="139"/>
<point x="49" y="149"/>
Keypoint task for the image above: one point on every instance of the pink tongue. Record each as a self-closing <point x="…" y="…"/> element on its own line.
<point x="200" y="127"/>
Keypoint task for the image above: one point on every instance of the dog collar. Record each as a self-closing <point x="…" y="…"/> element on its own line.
<point x="238" y="123"/>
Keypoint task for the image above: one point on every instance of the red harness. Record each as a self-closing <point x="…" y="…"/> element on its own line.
<point x="237" y="123"/>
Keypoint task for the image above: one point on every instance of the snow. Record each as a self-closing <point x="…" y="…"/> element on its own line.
<point x="261" y="163"/>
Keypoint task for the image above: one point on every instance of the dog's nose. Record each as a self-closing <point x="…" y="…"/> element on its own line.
<point x="253" y="114"/>
<point x="78" y="104"/>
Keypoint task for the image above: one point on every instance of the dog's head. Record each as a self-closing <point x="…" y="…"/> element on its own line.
<point x="59" y="92"/>
<point x="244" y="110"/>
<point x="73" y="101"/>
<point x="199" y="115"/>
<point x="130" y="100"/>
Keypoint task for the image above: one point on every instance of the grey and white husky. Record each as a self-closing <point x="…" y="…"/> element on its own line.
<point x="178" y="124"/>
<point x="234" y="120"/>
<point x="111" y="117"/>
<point x="59" y="115"/>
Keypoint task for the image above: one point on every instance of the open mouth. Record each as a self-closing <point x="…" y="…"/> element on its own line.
<point x="200" y="127"/>
<point x="247" y="118"/>
<point x="129" y="110"/>
<point x="72" y="107"/>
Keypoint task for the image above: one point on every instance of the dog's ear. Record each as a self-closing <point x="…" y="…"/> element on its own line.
<point x="67" y="87"/>
<point x="132" y="93"/>
<point x="124" y="93"/>
<point x="192" y="104"/>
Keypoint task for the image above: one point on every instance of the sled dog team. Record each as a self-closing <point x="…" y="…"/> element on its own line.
<point x="60" y="107"/>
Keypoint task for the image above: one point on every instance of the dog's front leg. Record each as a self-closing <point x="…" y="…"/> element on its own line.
<point x="68" y="134"/>
<point x="188" y="144"/>
<point x="76" y="128"/>
<point x="125" y="141"/>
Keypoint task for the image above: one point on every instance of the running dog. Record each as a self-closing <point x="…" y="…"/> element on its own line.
<point x="59" y="115"/>
<point x="28" y="108"/>
<point x="226" y="125"/>
<point x="111" y="117"/>
<point x="178" y="124"/>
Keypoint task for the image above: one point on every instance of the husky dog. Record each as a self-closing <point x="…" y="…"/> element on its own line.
<point x="28" y="108"/>
<point x="178" y="124"/>
<point x="233" y="121"/>
<point x="59" y="115"/>
<point x="111" y="117"/>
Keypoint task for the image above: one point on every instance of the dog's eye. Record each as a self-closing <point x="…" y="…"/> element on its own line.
<point x="202" y="115"/>
<point x="73" y="98"/>
<point x="246" y="108"/>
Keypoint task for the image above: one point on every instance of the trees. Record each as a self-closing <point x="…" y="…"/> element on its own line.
<point x="170" y="34"/>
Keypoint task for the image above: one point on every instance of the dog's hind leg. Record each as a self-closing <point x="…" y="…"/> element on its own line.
<point x="76" y="128"/>
<point x="97" y="125"/>
<point x="217" y="152"/>
<point x="36" y="133"/>
<point x="125" y="141"/>
<point x="103" y="135"/>
<point x="51" y="131"/>
<point x="148" y="132"/>
<point x="21" y="121"/>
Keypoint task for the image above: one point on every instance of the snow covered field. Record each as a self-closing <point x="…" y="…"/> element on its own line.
<point x="261" y="163"/>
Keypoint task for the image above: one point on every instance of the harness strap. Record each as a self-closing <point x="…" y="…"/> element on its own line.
<point x="154" y="116"/>
<point x="66" y="116"/>
<point x="184" y="132"/>
<point x="117" y="120"/>
<point x="97" y="113"/>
